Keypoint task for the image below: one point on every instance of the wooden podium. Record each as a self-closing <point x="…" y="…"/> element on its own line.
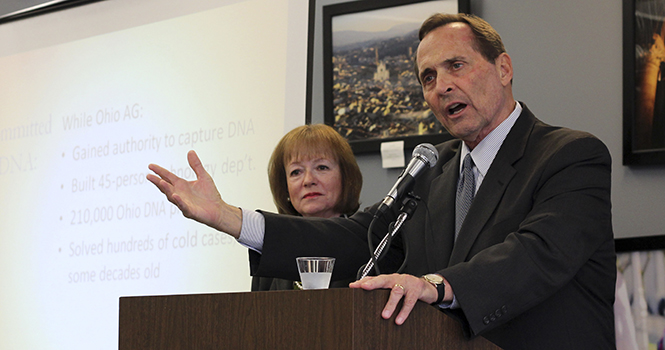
<point x="336" y="319"/>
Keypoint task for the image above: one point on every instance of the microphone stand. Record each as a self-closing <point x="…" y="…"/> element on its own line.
<point x="410" y="205"/>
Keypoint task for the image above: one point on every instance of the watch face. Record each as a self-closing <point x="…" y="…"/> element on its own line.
<point x="434" y="278"/>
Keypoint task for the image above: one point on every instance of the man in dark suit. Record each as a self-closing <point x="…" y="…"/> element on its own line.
<point x="531" y="266"/>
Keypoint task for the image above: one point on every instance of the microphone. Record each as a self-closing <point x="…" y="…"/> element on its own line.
<point x="424" y="155"/>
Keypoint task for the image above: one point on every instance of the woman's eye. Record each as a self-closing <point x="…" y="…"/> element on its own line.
<point x="294" y="172"/>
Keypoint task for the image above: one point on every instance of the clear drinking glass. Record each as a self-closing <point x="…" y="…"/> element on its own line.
<point x="315" y="272"/>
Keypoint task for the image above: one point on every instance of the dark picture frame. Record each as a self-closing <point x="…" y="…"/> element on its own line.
<point x="644" y="88"/>
<point x="371" y="94"/>
<point x="41" y="7"/>
<point x="640" y="290"/>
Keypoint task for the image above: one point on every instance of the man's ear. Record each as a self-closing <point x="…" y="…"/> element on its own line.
<point x="505" y="66"/>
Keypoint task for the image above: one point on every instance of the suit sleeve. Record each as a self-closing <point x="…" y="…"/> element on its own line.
<point x="345" y="239"/>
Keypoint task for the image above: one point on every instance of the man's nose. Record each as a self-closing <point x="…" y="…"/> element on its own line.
<point x="444" y="84"/>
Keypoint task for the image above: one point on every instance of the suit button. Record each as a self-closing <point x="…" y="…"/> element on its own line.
<point x="486" y="320"/>
<point x="504" y="309"/>
<point x="498" y="313"/>
<point x="492" y="318"/>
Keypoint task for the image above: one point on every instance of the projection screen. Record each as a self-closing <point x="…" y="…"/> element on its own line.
<point x="91" y="95"/>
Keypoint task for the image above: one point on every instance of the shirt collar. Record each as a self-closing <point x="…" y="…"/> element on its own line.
<point x="483" y="154"/>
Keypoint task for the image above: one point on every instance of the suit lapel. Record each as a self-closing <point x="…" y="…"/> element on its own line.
<point x="494" y="185"/>
<point x="441" y="218"/>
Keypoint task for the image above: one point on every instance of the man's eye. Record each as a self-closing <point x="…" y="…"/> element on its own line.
<point x="457" y="65"/>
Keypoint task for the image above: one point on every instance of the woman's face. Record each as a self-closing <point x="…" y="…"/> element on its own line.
<point x="315" y="186"/>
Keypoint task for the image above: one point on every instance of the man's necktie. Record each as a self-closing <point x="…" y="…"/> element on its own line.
<point x="466" y="189"/>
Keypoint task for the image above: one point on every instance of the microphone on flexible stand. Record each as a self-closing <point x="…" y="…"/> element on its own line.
<point x="424" y="155"/>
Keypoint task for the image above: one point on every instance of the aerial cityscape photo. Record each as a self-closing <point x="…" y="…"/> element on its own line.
<point x="375" y="90"/>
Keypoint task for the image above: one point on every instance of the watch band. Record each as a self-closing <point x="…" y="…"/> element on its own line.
<point x="441" y="289"/>
<point x="437" y="281"/>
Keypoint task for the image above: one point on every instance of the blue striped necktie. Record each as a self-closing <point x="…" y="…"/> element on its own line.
<point x="466" y="189"/>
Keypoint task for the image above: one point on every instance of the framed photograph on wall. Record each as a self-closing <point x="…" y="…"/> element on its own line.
<point x="644" y="82"/>
<point x="371" y="93"/>
<point x="16" y="10"/>
<point x="640" y="292"/>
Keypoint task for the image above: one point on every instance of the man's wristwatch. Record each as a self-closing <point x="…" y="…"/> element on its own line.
<point x="437" y="281"/>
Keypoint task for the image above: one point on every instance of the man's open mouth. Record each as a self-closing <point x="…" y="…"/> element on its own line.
<point x="456" y="108"/>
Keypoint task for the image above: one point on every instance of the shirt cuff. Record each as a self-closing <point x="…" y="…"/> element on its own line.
<point x="450" y="305"/>
<point x="252" y="230"/>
